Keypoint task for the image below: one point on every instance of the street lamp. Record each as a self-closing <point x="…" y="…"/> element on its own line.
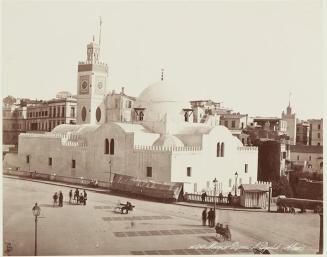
<point x="214" y="200"/>
<point x="109" y="173"/>
<point x="236" y="176"/>
<point x="36" y="212"/>
<point x="29" y="163"/>
<point x="321" y="234"/>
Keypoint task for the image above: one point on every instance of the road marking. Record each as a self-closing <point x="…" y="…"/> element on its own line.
<point x="191" y="252"/>
<point x="135" y="218"/>
<point x="99" y="207"/>
<point x="162" y="232"/>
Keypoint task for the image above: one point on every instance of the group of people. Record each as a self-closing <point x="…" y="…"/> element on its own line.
<point x="210" y="216"/>
<point x="94" y="183"/>
<point x="80" y="198"/>
<point x="220" y="197"/>
<point x="57" y="196"/>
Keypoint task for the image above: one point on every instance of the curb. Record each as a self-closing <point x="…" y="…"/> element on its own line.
<point x="222" y="208"/>
<point x="103" y="191"/>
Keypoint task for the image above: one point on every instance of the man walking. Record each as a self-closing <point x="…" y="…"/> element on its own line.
<point x="203" y="197"/>
<point x="204" y="217"/>
<point x="61" y="199"/>
<point x="76" y="195"/>
<point x="70" y="196"/>
<point x="85" y="197"/>
<point x="229" y="197"/>
<point x="211" y="218"/>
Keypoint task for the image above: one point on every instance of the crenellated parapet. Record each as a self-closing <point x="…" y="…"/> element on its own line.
<point x="168" y="149"/>
<point x="75" y="144"/>
<point x="65" y="139"/>
<point x="247" y="148"/>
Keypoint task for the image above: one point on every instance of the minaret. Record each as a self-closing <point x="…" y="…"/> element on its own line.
<point x="91" y="86"/>
<point x="290" y="118"/>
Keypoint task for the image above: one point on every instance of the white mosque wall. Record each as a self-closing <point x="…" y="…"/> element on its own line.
<point x="205" y="165"/>
<point x="158" y="160"/>
<point x="169" y="164"/>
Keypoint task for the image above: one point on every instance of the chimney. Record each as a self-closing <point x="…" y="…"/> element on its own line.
<point x="122" y="90"/>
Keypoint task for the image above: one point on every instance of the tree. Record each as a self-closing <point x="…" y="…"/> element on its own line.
<point x="282" y="187"/>
<point x="9" y="100"/>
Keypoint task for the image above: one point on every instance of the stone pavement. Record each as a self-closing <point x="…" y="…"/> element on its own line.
<point x="106" y="191"/>
<point x="151" y="228"/>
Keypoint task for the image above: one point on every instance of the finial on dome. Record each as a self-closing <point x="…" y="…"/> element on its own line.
<point x="162" y="74"/>
<point x="93" y="38"/>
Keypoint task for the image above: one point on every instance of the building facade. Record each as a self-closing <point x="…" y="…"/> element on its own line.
<point x="160" y="141"/>
<point x="316" y="132"/>
<point x="308" y="157"/>
<point x="13" y="123"/>
<point x="302" y="133"/>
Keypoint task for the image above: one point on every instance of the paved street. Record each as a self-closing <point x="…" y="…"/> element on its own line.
<point x="152" y="228"/>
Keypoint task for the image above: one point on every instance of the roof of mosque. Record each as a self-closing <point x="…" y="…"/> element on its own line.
<point x="161" y="92"/>
<point x="78" y="129"/>
<point x="168" y="141"/>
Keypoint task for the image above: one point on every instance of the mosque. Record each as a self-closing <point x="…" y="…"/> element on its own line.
<point x="152" y="137"/>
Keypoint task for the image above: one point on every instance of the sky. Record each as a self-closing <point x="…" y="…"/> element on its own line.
<point x="249" y="55"/>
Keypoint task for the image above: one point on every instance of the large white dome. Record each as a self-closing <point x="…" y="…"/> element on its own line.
<point x="161" y="92"/>
<point x="160" y="99"/>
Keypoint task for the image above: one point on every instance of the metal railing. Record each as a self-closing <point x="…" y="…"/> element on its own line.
<point x="208" y="198"/>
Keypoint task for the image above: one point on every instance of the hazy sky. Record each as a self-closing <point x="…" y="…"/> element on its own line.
<point x="247" y="54"/>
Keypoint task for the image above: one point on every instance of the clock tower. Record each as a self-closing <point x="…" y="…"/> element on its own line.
<point x="91" y="87"/>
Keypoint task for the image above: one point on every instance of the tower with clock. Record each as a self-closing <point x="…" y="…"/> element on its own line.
<point x="91" y="87"/>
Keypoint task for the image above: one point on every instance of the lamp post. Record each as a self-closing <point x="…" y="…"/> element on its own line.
<point x="29" y="163"/>
<point x="321" y="234"/>
<point x="109" y="173"/>
<point x="36" y="212"/>
<point x="214" y="200"/>
<point x="236" y="176"/>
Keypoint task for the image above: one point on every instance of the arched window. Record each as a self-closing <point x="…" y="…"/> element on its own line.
<point x="106" y="146"/>
<point x="218" y="149"/>
<point x="222" y="153"/>
<point x="112" y="146"/>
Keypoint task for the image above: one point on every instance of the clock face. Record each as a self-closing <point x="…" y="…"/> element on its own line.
<point x="100" y="85"/>
<point x="84" y="85"/>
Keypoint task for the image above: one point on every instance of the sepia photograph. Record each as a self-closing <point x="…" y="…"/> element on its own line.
<point x="162" y="127"/>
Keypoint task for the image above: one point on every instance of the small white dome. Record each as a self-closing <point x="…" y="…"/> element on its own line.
<point x="168" y="141"/>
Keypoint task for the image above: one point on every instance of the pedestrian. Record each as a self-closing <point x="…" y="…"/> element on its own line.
<point x="55" y="197"/>
<point x="85" y="197"/>
<point x="204" y="217"/>
<point x="229" y="198"/>
<point x="76" y="195"/>
<point x="70" y="195"/>
<point x="211" y="218"/>
<point x="220" y="197"/>
<point x="61" y="199"/>
<point x="203" y="197"/>
<point x="81" y="199"/>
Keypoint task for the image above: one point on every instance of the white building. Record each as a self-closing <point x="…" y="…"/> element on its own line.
<point x="159" y="142"/>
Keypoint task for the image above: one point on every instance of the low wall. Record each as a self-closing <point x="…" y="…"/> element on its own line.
<point x="52" y="177"/>
<point x="306" y="189"/>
